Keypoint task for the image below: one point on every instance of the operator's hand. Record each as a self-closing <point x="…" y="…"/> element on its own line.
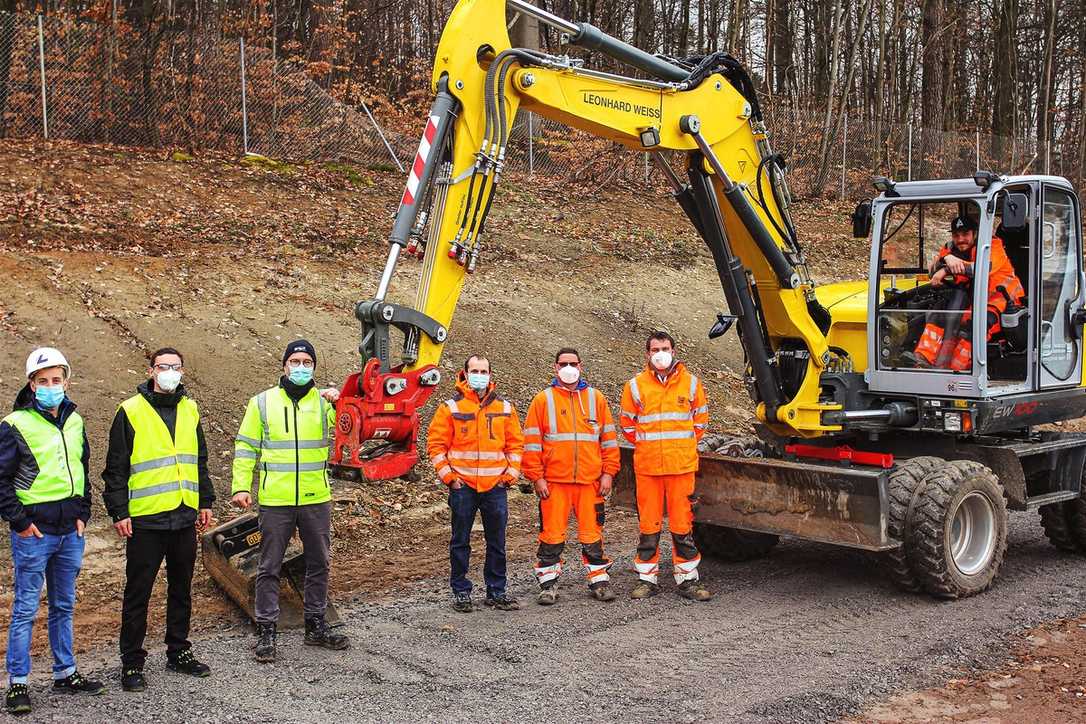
<point x="938" y="278"/>
<point x="330" y="393"/>
<point x="123" y="528"/>
<point x="32" y="530"/>
<point x="605" y="484"/>
<point x="243" y="500"/>
<point x="203" y="518"/>
<point x="954" y="264"/>
<point x="456" y="484"/>
<point x="80" y="526"/>
<point x="542" y="489"/>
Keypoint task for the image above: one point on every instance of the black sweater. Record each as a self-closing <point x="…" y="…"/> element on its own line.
<point x="121" y="438"/>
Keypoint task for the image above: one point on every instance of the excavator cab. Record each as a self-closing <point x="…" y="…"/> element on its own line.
<point x="929" y="336"/>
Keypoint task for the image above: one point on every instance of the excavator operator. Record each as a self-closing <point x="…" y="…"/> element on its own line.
<point x="946" y="341"/>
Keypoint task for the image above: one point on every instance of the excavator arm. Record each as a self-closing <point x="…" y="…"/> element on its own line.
<point x="732" y="189"/>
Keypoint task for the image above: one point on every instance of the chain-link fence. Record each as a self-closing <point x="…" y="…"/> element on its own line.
<point x="82" y="80"/>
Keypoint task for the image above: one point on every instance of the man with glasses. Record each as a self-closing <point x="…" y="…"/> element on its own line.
<point x="289" y="428"/>
<point x="571" y="456"/>
<point x="158" y="492"/>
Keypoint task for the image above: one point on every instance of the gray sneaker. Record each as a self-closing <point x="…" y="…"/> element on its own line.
<point x="462" y="603"/>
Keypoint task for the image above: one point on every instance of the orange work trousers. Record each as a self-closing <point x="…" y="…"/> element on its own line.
<point x="586" y="505"/>
<point x="652" y="493"/>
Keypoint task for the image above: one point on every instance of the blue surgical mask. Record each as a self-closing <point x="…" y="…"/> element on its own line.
<point x="478" y="381"/>
<point x="301" y="375"/>
<point x="49" y="397"/>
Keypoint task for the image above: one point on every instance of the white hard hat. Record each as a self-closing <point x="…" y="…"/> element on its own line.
<point x="45" y="357"/>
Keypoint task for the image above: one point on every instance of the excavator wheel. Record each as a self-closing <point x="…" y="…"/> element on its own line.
<point x="903" y="488"/>
<point x="1064" y="524"/>
<point x="957" y="531"/>
<point x="734" y="544"/>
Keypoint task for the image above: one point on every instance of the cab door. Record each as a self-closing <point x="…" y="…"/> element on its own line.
<point x="1059" y="289"/>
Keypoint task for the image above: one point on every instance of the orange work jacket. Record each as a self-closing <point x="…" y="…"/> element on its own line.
<point x="1002" y="274"/>
<point x="476" y="440"/>
<point x="569" y="436"/>
<point x="664" y="420"/>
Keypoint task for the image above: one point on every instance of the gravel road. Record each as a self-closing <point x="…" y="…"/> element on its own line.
<point x="808" y="634"/>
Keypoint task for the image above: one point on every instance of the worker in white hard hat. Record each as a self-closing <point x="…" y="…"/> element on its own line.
<point x="45" y="498"/>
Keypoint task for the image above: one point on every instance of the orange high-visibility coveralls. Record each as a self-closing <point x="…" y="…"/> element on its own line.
<point x="664" y="419"/>
<point x="570" y="441"/>
<point x="930" y="347"/>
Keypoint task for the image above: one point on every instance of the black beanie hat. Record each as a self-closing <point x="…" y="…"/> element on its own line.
<point x="300" y="345"/>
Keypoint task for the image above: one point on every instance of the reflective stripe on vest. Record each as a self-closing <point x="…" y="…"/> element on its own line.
<point x="552" y="420"/>
<point x="56" y="472"/>
<point x="293" y="448"/>
<point x="164" y="472"/>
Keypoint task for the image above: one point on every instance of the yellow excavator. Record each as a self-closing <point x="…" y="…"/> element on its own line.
<point x="862" y="442"/>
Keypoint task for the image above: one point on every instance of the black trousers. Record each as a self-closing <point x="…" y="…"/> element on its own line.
<point x="146" y="550"/>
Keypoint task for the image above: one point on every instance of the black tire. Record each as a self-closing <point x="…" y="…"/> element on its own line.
<point x="903" y="487"/>
<point x="930" y="533"/>
<point x="1057" y="521"/>
<point x="732" y="544"/>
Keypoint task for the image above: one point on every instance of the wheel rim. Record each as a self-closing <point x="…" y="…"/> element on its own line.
<point x="973" y="533"/>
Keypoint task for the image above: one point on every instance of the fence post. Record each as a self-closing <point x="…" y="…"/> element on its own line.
<point x="41" y="67"/>
<point x="531" y="147"/>
<point x="382" y="135"/>
<point x="244" y="106"/>
<point x="910" y="172"/>
<point x="844" y="150"/>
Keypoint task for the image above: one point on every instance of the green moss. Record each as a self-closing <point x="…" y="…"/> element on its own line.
<point x="255" y="160"/>
<point x="350" y="172"/>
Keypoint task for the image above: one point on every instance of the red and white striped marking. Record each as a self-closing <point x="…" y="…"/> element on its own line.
<point x="420" y="162"/>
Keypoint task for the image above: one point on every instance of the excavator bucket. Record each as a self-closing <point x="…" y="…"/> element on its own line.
<point x="231" y="554"/>
<point x="842" y="505"/>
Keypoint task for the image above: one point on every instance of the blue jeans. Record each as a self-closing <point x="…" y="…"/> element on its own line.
<point x="494" y="508"/>
<point x="53" y="560"/>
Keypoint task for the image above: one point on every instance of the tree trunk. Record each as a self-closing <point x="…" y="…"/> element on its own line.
<point x="1044" y="95"/>
<point x="932" y="89"/>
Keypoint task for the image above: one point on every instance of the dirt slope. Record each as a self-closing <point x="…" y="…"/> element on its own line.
<point x="110" y="253"/>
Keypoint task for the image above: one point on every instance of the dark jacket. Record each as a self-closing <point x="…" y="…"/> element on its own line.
<point x="57" y="517"/>
<point x="118" y="462"/>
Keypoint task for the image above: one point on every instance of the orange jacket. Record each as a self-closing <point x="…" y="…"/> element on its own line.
<point x="1002" y="274"/>
<point x="478" y="441"/>
<point x="569" y="436"/>
<point x="664" y="420"/>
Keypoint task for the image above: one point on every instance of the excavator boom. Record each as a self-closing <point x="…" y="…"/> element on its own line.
<point x="703" y="109"/>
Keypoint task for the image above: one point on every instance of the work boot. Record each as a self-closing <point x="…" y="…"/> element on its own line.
<point x="319" y="633"/>
<point x="132" y="680"/>
<point x="76" y="683"/>
<point x="503" y="602"/>
<point x="462" y="603"/>
<point x="694" y="590"/>
<point x="185" y="663"/>
<point x="17" y="700"/>
<point x="265" y="643"/>
<point x="644" y="589"/>
<point x="547" y="596"/>
<point x="602" y="591"/>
